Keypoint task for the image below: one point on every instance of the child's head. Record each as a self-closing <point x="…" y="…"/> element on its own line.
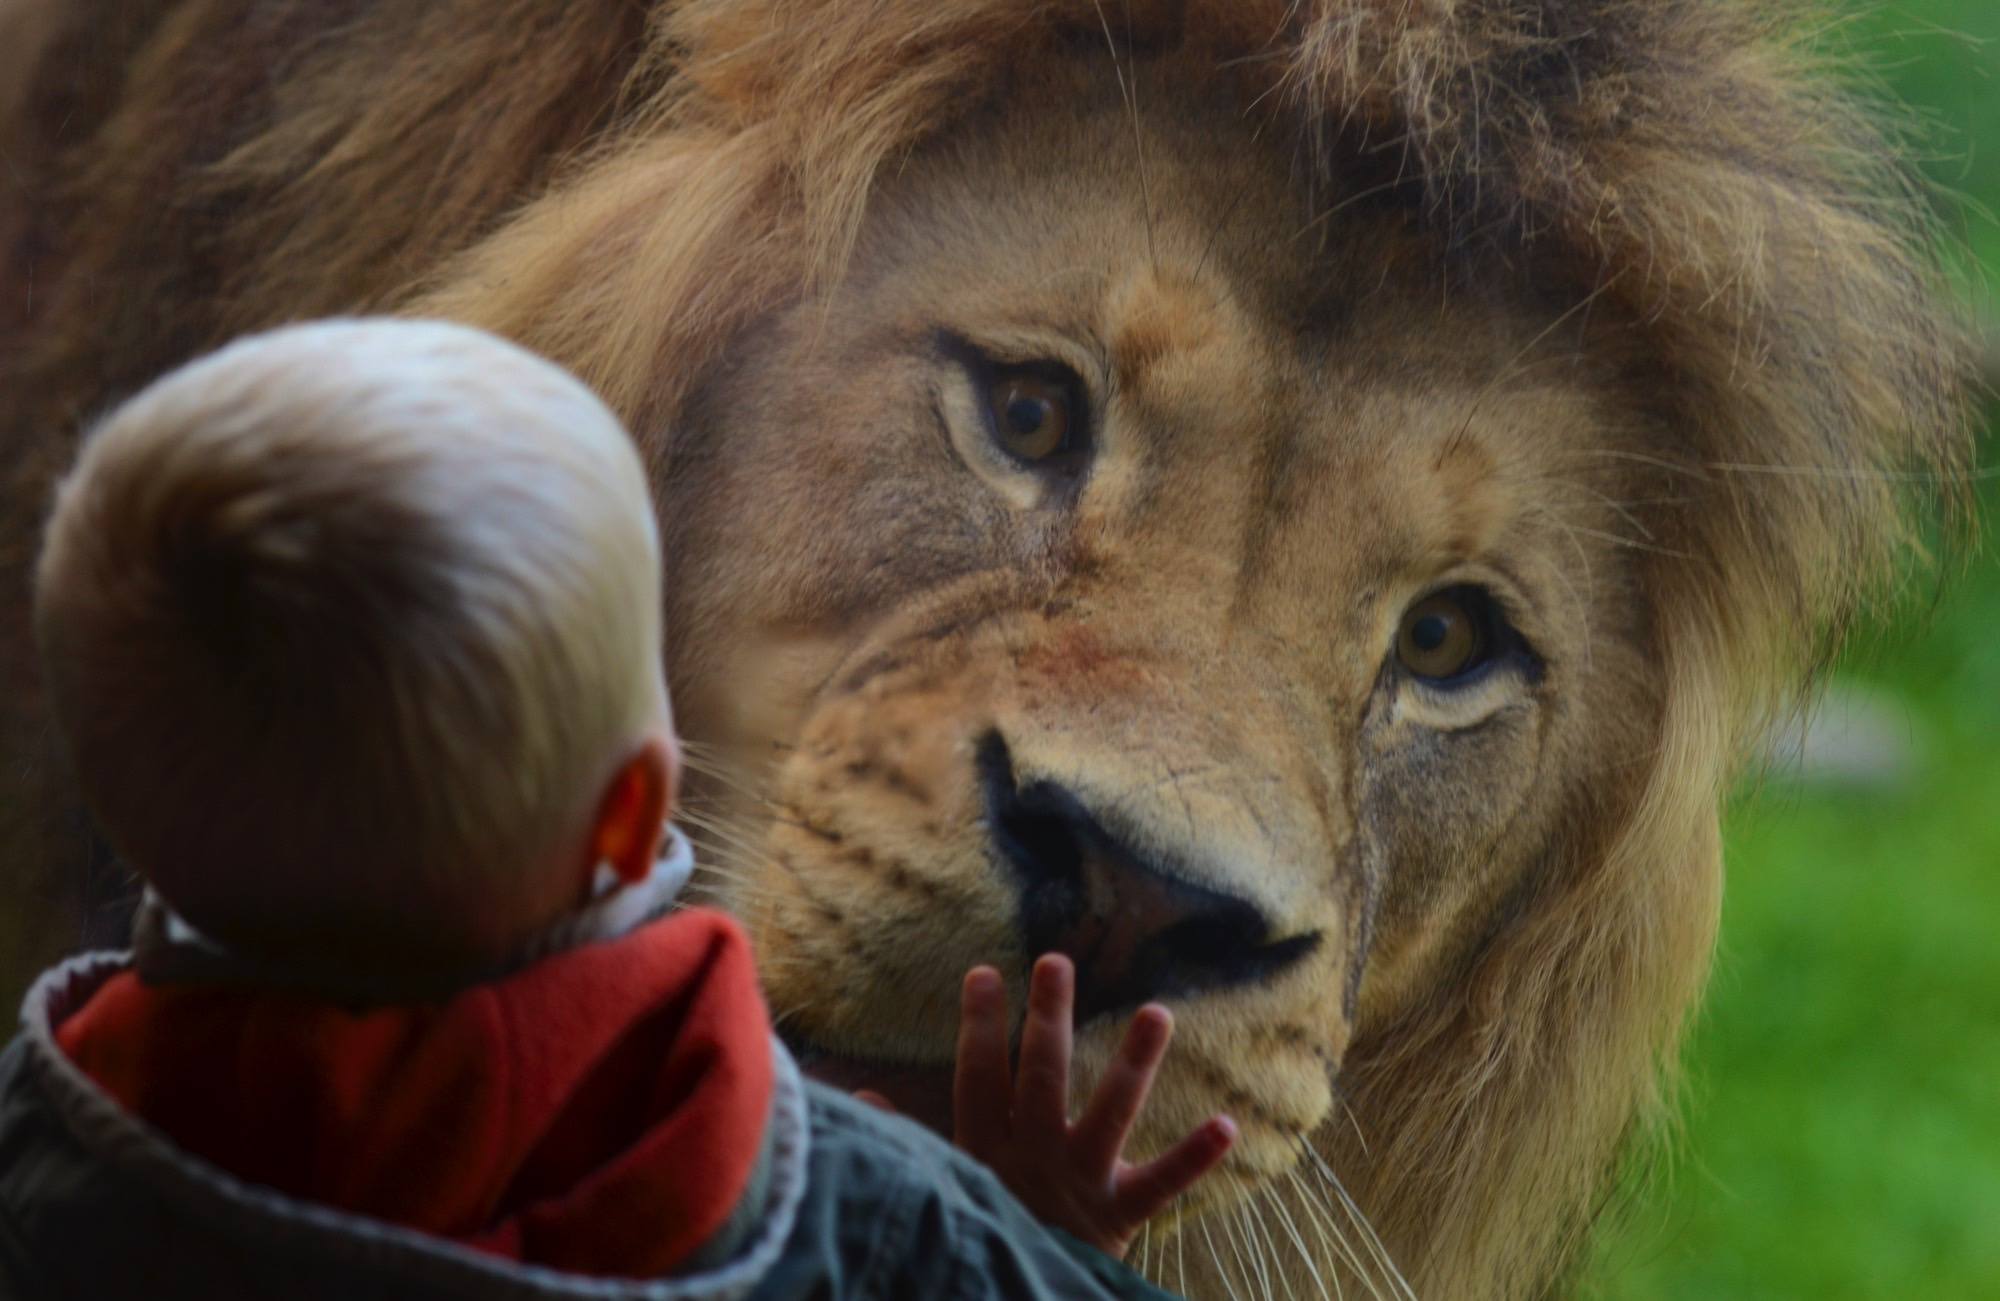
<point x="353" y="631"/>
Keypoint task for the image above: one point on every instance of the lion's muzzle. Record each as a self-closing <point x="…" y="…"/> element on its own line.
<point x="1135" y="928"/>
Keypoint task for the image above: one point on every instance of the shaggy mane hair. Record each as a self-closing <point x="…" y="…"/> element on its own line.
<point x="625" y="185"/>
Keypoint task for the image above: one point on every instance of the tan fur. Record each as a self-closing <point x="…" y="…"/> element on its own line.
<point x="1618" y="308"/>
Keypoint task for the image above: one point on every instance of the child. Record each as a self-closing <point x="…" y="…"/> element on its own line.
<point x="353" y="632"/>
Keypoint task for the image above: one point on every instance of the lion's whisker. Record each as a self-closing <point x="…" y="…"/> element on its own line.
<point x="1346" y="1107"/>
<point x="1623" y="509"/>
<point x="1130" y="91"/>
<point x="1236" y="1248"/>
<point x="1180" y="1251"/>
<point x="1569" y="585"/>
<point x="720" y="864"/>
<point x="730" y="835"/>
<point x="1215" y="1258"/>
<point x="1369" y="1238"/>
<point x="1257" y="1222"/>
<point x="1098" y="273"/>
<point x="791" y="1010"/>
<point x="729" y="781"/>
<point x="710" y="762"/>
<point x="1378" y="1262"/>
<point x="1357" y="197"/>
<point x="1222" y="222"/>
<point x="1253" y="1267"/>
<point x="1330" y="1238"/>
<point x="1977" y="474"/>
<point x="714" y="844"/>
<point x="1658" y="463"/>
<point x="1298" y="1241"/>
<point x="1619" y="540"/>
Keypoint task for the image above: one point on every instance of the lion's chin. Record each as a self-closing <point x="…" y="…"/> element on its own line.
<point x="920" y="1092"/>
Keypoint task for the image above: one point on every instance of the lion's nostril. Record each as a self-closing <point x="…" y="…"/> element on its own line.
<point x="1136" y="929"/>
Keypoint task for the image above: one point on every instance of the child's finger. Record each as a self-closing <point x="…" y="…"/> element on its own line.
<point x="1144" y="1192"/>
<point x="1100" y="1135"/>
<point x="875" y="1100"/>
<point x="980" y="1094"/>
<point x="1041" y="1090"/>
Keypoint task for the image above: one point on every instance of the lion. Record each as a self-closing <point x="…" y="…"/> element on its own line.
<point x="1300" y="505"/>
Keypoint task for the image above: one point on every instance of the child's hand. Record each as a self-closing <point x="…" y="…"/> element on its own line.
<point x="1069" y="1175"/>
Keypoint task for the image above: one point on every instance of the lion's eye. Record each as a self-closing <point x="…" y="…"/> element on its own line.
<point x="1034" y="416"/>
<point x="1446" y="635"/>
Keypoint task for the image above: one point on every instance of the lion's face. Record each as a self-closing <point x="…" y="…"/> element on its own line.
<point x="1230" y="600"/>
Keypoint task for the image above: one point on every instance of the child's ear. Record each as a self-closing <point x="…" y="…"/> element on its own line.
<point x="632" y="816"/>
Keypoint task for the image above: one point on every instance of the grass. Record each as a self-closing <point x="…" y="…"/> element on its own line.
<point x="1842" y="1133"/>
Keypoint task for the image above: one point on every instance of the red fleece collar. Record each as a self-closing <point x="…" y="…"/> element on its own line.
<point x="599" y="1112"/>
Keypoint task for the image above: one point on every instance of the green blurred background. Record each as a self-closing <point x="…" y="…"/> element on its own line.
<point x="1842" y="1121"/>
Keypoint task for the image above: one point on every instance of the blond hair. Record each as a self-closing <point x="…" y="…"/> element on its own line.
<point x="347" y="626"/>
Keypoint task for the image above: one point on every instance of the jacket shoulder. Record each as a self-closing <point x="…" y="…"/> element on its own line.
<point x="73" y="1225"/>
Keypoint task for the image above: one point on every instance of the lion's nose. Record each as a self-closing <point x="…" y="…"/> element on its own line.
<point x="1135" y="929"/>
